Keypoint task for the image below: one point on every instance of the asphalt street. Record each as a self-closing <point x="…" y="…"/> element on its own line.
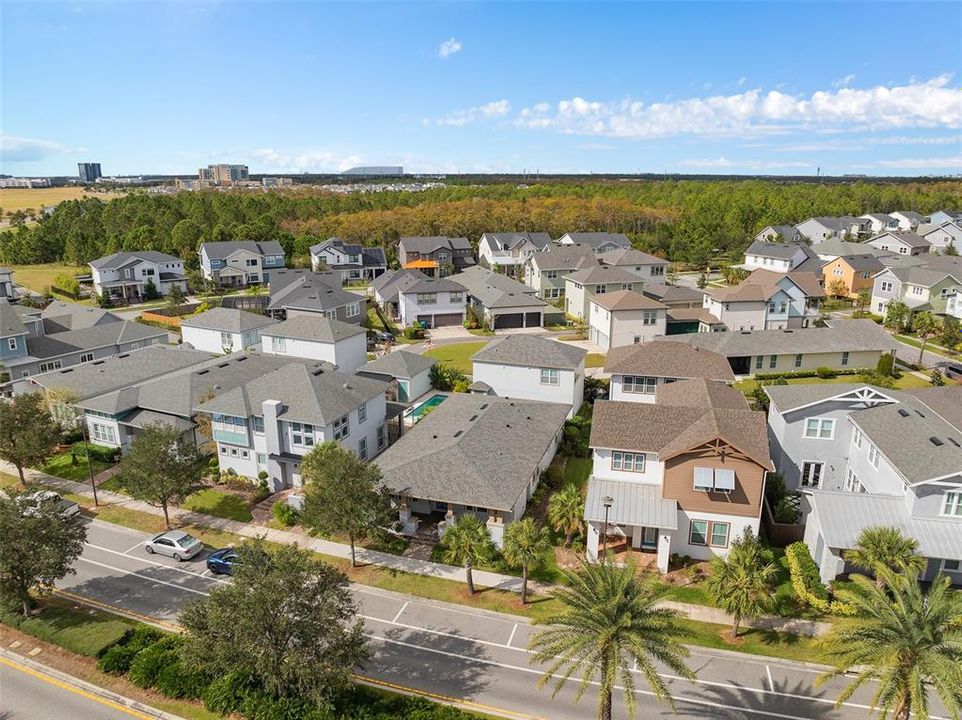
<point x="477" y="658"/>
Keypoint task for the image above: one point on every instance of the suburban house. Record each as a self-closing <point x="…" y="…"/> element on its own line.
<point x="583" y="285"/>
<point x="31" y="344"/>
<point x="302" y="292"/>
<point x="943" y="236"/>
<point x="647" y="267"/>
<point x="501" y="301"/>
<point x="638" y="371"/>
<point x="433" y="302"/>
<point x="906" y="219"/>
<point x="674" y="296"/>
<point x="353" y="262"/>
<point x="528" y="367"/>
<point x="224" y="330"/>
<point x="847" y="344"/>
<point x="386" y="289"/>
<point x="925" y="287"/>
<point x="832" y="249"/>
<point x="778" y="234"/>
<point x="819" y="229"/>
<point x="624" y="317"/>
<point x="778" y="256"/>
<point x="803" y="288"/>
<point x="407" y="373"/>
<point x="475" y="454"/>
<point x="8" y="291"/>
<point x="507" y="251"/>
<point x="125" y="276"/>
<point x="238" y="263"/>
<point x="879" y="222"/>
<point x="315" y="337"/>
<point x="683" y="479"/>
<point x="944" y="216"/>
<point x="435" y="256"/>
<point x="904" y="470"/>
<point x="270" y="423"/>
<point x="748" y="306"/>
<point x="953" y="304"/>
<point x="685" y="312"/>
<point x="599" y="242"/>
<point x="901" y="242"/>
<point x="546" y="271"/>
<point x="848" y="276"/>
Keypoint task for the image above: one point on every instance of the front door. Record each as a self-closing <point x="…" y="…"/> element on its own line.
<point x="649" y="538"/>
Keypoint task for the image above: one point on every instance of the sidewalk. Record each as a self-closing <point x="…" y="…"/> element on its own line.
<point x="414" y="566"/>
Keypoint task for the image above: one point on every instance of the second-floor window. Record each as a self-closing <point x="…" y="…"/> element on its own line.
<point x="917" y="290"/>
<point x="302" y="434"/>
<point x="12" y="343"/>
<point x="279" y="344"/>
<point x="857" y="438"/>
<point x="550" y="376"/>
<point x="551" y="273"/>
<point x="819" y="428"/>
<point x="353" y="309"/>
<point x="226" y="340"/>
<point x="657" y="270"/>
<point x="48" y="366"/>
<point x="601" y="289"/>
<point x="258" y="423"/>
<point x="873" y="456"/>
<point x="362" y="413"/>
<point x="639" y="384"/>
<point x="342" y="427"/>
<point x="852" y="483"/>
<point x="628" y="462"/>
<point x="886" y="286"/>
<point x="427" y="298"/>
<point x="649" y="317"/>
<point x="456" y="298"/>
<point x="953" y="504"/>
<point x="86" y="357"/>
<point x="251" y="262"/>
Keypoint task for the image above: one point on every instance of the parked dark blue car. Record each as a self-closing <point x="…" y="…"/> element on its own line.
<point x="222" y="562"/>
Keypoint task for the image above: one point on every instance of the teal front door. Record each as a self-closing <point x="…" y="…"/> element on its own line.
<point x="649" y="538"/>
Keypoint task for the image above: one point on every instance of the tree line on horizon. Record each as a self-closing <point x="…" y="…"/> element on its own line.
<point x="684" y="221"/>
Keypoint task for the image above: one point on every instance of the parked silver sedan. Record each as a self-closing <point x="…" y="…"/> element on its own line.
<point x="174" y="543"/>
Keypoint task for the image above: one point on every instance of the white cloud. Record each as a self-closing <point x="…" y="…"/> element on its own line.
<point x="19" y="149"/>
<point x="723" y="162"/>
<point x="597" y="146"/>
<point x="952" y="162"/>
<point x="844" y="82"/>
<point x="918" y="104"/>
<point x="742" y="80"/>
<point x="448" y="48"/>
<point x="489" y="111"/>
<point x="266" y="160"/>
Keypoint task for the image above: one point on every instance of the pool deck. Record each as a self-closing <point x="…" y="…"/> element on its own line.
<point x="410" y="418"/>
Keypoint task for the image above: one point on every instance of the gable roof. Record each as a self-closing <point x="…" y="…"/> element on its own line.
<point x="473" y="450"/>
<point x="745" y="292"/>
<point x="700" y="393"/>
<point x="531" y="351"/>
<point x="836" y="224"/>
<point x="807" y="282"/>
<point x="668" y="359"/>
<point x="862" y="263"/>
<point x="792" y="397"/>
<point x="629" y="256"/>
<point x="779" y="250"/>
<point x="399" y="364"/>
<point x="495" y="290"/>
<point x="787" y="232"/>
<point x="597" y="239"/>
<point x="432" y="243"/>
<point x="118" y="259"/>
<point x="315" y="328"/>
<point x="388" y="284"/>
<point x="306" y="290"/>
<point x="903" y="236"/>
<point x="370" y="256"/>
<point x="510" y="240"/>
<point x="430" y="285"/>
<point x="224" y="249"/>
<point x="10" y="322"/>
<point x="602" y="274"/>
<point x="59" y="316"/>
<point x="844" y="248"/>
<point x="89" y="338"/>
<point x="626" y="300"/>
<point x="564" y="257"/>
<point x="672" y="293"/>
<point x="229" y="320"/>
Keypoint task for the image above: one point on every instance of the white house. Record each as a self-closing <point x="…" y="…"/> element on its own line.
<point x="638" y="371"/>
<point x="599" y="242"/>
<point x="354" y="262"/>
<point x="900" y="242"/>
<point x="432" y="302"/>
<point x="942" y="236"/>
<point x="907" y="220"/>
<point x="776" y="256"/>
<point x="944" y="216"/>
<point x="647" y="267"/>
<point x="818" y="229"/>
<point x="625" y="317"/>
<point x="778" y="233"/>
<point x="529" y="367"/>
<point x="879" y="222"/>
<point x="316" y="337"/>
<point x="584" y="285"/>
<point x="125" y="275"/>
<point x="224" y="330"/>
<point x="237" y="263"/>
<point x="506" y="251"/>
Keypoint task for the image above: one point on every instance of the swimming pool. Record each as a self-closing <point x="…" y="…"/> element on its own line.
<point x="418" y="411"/>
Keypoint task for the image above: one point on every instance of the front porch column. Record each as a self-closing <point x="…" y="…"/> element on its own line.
<point x="664" y="551"/>
<point x="636" y="534"/>
<point x="592" y="541"/>
<point x="495" y="527"/>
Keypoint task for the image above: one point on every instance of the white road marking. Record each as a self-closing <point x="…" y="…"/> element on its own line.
<point x="403" y="608"/>
<point x="771" y="684"/>
<point x="144" y="577"/>
<point x="157" y="564"/>
<point x="513" y="631"/>
<point x="135" y="547"/>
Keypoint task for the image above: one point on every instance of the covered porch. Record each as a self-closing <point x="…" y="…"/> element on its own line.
<point x="623" y="516"/>
<point x="417" y="515"/>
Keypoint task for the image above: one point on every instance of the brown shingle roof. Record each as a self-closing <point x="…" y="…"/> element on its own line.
<point x="746" y="292"/>
<point x="668" y="359"/>
<point x="700" y="393"/>
<point x="626" y="300"/>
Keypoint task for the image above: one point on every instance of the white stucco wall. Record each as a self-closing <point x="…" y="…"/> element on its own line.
<point x="525" y="383"/>
<point x="348" y="354"/>
<point x="210" y="340"/>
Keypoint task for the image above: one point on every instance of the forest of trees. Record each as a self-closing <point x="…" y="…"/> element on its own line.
<point x="686" y="221"/>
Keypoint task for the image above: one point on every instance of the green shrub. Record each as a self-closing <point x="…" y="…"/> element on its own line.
<point x="413" y="333"/>
<point x="261" y="706"/>
<point x="262" y="475"/>
<point x="226" y="694"/>
<point x="886" y="365"/>
<point x="147" y="665"/>
<point x="825" y="372"/>
<point x="807" y="374"/>
<point x="285" y="514"/>
<point x="101" y="453"/>
<point x="444" y="377"/>
<point x="177" y="681"/>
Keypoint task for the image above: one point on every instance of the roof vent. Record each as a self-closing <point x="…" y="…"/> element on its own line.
<point x="954" y="442"/>
<point x="347" y="386"/>
<point x="936" y="441"/>
<point x="458" y="433"/>
<point x="203" y="372"/>
<point x="903" y="412"/>
<point x="472" y="418"/>
<point x="223" y="365"/>
<point x="484" y="407"/>
<point x="434" y="437"/>
<point x="746" y="332"/>
<point x="788" y="331"/>
<point x="919" y="414"/>
<point x="508" y="425"/>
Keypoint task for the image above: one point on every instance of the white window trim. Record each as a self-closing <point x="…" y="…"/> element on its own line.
<point x="954" y="500"/>
<point x="818" y="432"/>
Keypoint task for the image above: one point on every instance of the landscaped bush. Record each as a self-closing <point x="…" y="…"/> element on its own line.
<point x="226" y="694"/>
<point x="287" y="515"/>
<point x="147" y="665"/>
<point x="808" y="374"/>
<point x="574" y="440"/>
<point x="806" y="581"/>
<point x="443" y="376"/>
<point x="177" y="681"/>
<point x="825" y="372"/>
<point x="100" y="453"/>
<point x="785" y="505"/>
<point x="886" y="365"/>
<point x="118" y="658"/>
<point x="413" y="333"/>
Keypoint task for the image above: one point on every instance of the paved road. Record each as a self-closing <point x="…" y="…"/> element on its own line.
<point x="477" y="658"/>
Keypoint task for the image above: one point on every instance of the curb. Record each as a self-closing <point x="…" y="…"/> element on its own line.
<point x="87" y="687"/>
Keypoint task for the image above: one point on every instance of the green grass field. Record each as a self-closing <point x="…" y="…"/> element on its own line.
<point x="220" y="504"/>
<point x="906" y="381"/>
<point x="62" y="466"/>
<point x="457" y="354"/>
<point x="38" y="277"/>
<point x="594" y="360"/>
<point x="88" y="632"/>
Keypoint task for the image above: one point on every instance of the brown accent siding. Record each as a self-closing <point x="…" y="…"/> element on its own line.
<point x="745" y="499"/>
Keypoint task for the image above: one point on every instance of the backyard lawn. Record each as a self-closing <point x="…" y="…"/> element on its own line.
<point x="38" y="277"/>
<point x="594" y="360"/>
<point x="906" y="381"/>
<point x="457" y="355"/>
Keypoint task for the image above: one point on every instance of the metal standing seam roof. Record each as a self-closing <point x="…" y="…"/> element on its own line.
<point x="228" y="320"/>
<point x="531" y="351"/>
<point x="843" y="515"/>
<point x="632" y="503"/>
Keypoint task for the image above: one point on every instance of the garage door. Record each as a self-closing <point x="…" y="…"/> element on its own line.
<point x="532" y="319"/>
<point x="509" y="320"/>
<point x="447" y="320"/>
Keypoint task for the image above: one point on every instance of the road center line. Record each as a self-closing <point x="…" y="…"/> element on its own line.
<point x="403" y="608"/>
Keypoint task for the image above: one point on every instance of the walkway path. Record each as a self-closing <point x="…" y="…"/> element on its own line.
<point x="412" y="565"/>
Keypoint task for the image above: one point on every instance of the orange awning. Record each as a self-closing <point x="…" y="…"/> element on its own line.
<point x="420" y="264"/>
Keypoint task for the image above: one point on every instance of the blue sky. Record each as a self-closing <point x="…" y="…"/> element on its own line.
<point x="773" y="88"/>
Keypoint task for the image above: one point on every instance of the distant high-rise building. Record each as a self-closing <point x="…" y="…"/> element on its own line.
<point x="89" y="172"/>
<point x="223" y="174"/>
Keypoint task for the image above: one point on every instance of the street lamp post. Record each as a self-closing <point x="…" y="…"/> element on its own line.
<point x="607" y="500"/>
<point x="90" y="469"/>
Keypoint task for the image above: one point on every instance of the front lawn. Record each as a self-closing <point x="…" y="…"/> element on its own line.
<point x="457" y="355"/>
<point x="220" y="504"/>
<point x="65" y="466"/>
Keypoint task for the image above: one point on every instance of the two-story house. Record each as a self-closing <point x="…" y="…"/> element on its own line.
<point x="501" y="301"/>
<point x="879" y="222"/>
<point x="354" y="262"/>
<point x="505" y="252"/>
<point x="804" y="290"/>
<point x="777" y="256"/>
<point x="125" y="276"/>
<point x="315" y="337"/>
<point x="583" y="285"/>
<point x="388" y="285"/>
<point x="438" y="256"/>
<point x="907" y="219"/>
<point x="434" y="302"/>
<point x="224" y="330"/>
<point x="925" y="287"/>
<point x="599" y="242"/>
<point x="647" y="267"/>
<point x="625" y="317"/>
<point x="903" y="470"/>
<point x="302" y="292"/>
<point x="638" y="371"/>
<point x="944" y="216"/>
<point x="943" y="236"/>
<point x="270" y="423"/>
<point x="900" y="242"/>
<point x="753" y="306"/>
<point x="819" y="229"/>
<point x="777" y="234"/>
<point x="848" y="276"/>
<point x="529" y="367"/>
<point x="238" y="263"/>
<point x="685" y="478"/>
<point x="546" y="271"/>
<point x="832" y="249"/>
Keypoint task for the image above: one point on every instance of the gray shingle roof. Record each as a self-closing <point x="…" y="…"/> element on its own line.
<point x="473" y="450"/>
<point x="221" y="250"/>
<point x="430" y="285"/>
<point x="494" y="290"/>
<point x="905" y="237"/>
<point x="10" y="322"/>
<point x="780" y="250"/>
<point x="91" y="338"/>
<point x="59" y="316"/>
<point x="564" y="257"/>
<point x="432" y="243"/>
<point x="228" y="320"/>
<point x="305" y="290"/>
<point x="843" y="248"/>
<point x="314" y="327"/>
<point x="116" y="260"/>
<point x="632" y="503"/>
<point x="787" y="232"/>
<point x="510" y="240"/>
<point x="399" y="364"/>
<point x="597" y="239"/>
<point x="531" y="351"/>
<point x="626" y="300"/>
<point x="945" y="401"/>
<point x="629" y="256"/>
<point x="668" y="359"/>
<point x="844" y="335"/>
<point x="863" y="263"/>
<point x="388" y="284"/>
<point x="669" y="294"/>
<point x="602" y="274"/>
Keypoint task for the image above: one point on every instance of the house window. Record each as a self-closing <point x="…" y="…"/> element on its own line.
<point x="771" y="307"/>
<point x="812" y="474"/>
<point x="245" y="454"/>
<point x="698" y="532"/>
<point x="86" y="357"/>
<point x="48" y="366"/>
<point x="852" y="484"/>
<point x="103" y="433"/>
<point x="903" y="250"/>
<point x="657" y="270"/>
<point x="952" y="566"/>
<point x="279" y="344"/>
<point x="873" y="456"/>
<point x="233" y="452"/>
<point x="250" y="262"/>
<point x="551" y="273"/>
<point x="331" y="314"/>
<point x="838" y="272"/>
<point x="362" y="448"/>
<point x="628" y="462"/>
<point x="772" y="361"/>
<point x="857" y="438"/>
<point x="552" y="293"/>
<point x="917" y="290"/>
<point x="223" y="450"/>
<point x="261" y="460"/>
<point x="886" y="286"/>
<point x="456" y="298"/>
<point x="649" y="317"/>
<point x="381" y="437"/>
<point x="719" y="534"/>
<point x="953" y="504"/>
<point x="302" y="434"/>
<point x="601" y="289"/>
<point x="427" y="298"/>
<point x="353" y="309"/>
<point x="759" y="361"/>
<point x="844" y="358"/>
<point x="626" y="286"/>
<point x="550" y="376"/>
<point x="640" y="385"/>
<point x="342" y="427"/>
<point x="258" y="423"/>
<point x="798" y="360"/>
<point x="361" y="413"/>
<point x="12" y="343"/>
<point x="819" y="428"/>
<point x="226" y="340"/>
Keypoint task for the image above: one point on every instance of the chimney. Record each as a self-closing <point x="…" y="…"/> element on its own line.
<point x="272" y="430"/>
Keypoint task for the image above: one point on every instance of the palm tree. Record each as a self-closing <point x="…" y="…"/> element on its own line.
<point x="466" y="543"/>
<point x="525" y="544"/>
<point x="903" y="641"/>
<point x="566" y="510"/>
<point x="741" y="583"/>
<point x="878" y="548"/>
<point x="610" y="623"/>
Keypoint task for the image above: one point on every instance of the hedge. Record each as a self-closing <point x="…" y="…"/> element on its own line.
<point x="101" y="453"/>
<point x="810" y="373"/>
<point x="807" y="583"/>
